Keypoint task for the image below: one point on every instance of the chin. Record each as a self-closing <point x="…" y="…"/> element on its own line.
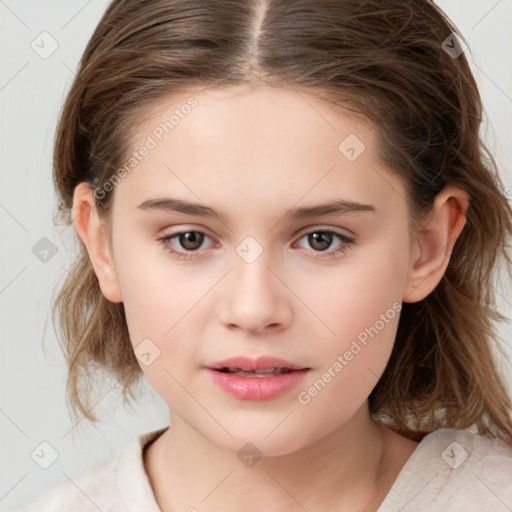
<point x="251" y="442"/>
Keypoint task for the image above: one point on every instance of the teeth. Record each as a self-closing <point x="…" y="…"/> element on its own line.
<point x="260" y="372"/>
<point x="266" y="370"/>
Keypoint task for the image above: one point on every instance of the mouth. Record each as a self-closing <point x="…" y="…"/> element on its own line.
<point x="265" y="365"/>
<point x="260" y="372"/>
<point x="263" y="378"/>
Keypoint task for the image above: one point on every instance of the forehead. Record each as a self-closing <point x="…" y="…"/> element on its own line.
<point x="251" y="112"/>
<point x="254" y="144"/>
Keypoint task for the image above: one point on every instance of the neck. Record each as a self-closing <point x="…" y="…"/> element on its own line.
<point x="352" y="468"/>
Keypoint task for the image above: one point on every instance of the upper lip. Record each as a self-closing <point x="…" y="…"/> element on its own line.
<point x="258" y="363"/>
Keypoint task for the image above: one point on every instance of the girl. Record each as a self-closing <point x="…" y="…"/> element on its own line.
<point x="290" y="226"/>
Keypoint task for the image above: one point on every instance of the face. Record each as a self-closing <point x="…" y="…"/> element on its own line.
<point x="320" y="290"/>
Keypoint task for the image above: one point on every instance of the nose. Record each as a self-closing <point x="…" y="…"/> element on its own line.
<point x="254" y="298"/>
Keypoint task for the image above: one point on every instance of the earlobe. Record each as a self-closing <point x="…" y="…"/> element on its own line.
<point x="93" y="234"/>
<point x="434" y="243"/>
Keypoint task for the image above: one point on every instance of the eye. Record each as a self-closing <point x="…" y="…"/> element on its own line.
<point x="191" y="241"/>
<point x="322" y="239"/>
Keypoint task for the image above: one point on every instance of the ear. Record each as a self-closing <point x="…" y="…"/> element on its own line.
<point x="93" y="234"/>
<point x="434" y="241"/>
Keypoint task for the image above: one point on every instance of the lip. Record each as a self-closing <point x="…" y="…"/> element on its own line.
<point x="258" y="363"/>
<point x="256" y="388"/>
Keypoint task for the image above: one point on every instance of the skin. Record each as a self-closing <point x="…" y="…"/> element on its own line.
<point x="255" y="153"/>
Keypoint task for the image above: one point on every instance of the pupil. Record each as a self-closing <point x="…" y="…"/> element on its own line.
<point x="189" y="240"/>
<point x="326" y="237"/>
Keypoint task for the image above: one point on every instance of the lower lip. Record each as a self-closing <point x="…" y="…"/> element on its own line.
<point x="257" y="388"/>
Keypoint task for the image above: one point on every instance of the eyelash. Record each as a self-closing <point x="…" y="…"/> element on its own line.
<point x="346" y="244"/>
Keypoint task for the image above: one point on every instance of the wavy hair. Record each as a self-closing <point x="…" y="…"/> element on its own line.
<point x="399" y="63"/>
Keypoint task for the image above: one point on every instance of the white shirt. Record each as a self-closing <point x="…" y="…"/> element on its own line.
<point x="450" y="471"/>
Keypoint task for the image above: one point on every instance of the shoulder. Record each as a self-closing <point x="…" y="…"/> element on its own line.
<point x="462" y="448"/>
<point x="103" y="486"/>
<point x="455" y="470"/>
<point x="89" y="490"/>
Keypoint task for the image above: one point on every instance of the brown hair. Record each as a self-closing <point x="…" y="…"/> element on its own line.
<point x="390" y="62"/>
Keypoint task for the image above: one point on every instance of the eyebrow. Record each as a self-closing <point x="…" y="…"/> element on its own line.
<point x="339" y="206"/>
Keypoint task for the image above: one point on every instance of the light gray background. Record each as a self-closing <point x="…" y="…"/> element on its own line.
<point x="32" y="89"/>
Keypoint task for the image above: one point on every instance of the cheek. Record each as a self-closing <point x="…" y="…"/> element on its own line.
<point x="359" y="308"/>
<point x="354" y="295"/>
<point x="157" y="291"/>
<point x="156" y="315"/>
<point x="164" y="304"/>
